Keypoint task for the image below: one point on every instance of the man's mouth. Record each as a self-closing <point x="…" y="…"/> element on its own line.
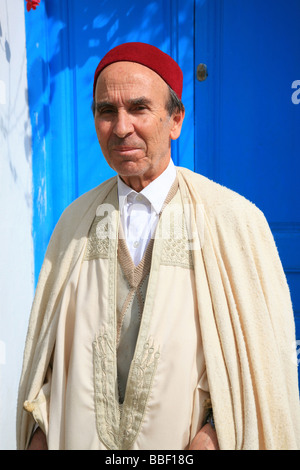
<point x="125" y="149"/>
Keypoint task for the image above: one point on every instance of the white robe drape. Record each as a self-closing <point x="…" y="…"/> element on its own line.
<point x="243" y="303"/>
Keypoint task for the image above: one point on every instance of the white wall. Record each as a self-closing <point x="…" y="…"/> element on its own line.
<point x="16" y="248"/>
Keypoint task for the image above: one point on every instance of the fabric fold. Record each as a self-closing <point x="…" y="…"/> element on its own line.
<point x="246" y="314"/>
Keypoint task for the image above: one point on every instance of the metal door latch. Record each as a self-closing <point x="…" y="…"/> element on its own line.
<point x="202" y="72"/>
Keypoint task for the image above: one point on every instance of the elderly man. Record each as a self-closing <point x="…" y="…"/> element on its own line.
<point x="162" y="317"/>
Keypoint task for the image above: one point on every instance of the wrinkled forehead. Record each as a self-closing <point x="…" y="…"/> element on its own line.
<point x="130" y="79"/>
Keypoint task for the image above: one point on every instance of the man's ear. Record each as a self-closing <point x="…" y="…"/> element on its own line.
<point x="176" y="124"/>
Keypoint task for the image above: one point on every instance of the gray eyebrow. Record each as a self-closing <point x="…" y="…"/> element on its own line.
<point x="102" y="104"/>
<point x="142" y="100"/>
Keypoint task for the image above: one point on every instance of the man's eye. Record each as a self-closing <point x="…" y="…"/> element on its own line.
<point x="105" y="111"/>
<point x="139" y="108"/>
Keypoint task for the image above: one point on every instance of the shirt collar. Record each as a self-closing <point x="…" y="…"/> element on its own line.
<point x="156" y="192"/>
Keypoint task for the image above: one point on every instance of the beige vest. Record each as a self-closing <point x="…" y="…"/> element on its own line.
<point x="132" y="283"/>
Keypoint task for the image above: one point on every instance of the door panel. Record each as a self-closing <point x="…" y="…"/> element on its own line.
<point x="247" y="125"/>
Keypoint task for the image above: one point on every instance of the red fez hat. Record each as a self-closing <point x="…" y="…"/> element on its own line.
<point x="147" y="55"/>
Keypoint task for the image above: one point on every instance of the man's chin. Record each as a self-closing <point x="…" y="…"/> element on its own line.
<point x="131" y="168"/>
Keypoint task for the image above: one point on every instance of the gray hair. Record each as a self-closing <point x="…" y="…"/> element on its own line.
<point x="174" y="104"/>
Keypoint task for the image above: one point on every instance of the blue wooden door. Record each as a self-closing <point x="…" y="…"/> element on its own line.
<point x="248" y="114"/>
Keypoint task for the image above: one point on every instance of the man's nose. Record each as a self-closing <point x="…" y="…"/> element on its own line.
<point x="123" y="124"/>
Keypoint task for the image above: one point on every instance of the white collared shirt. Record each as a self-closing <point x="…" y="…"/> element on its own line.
<point x="139" y="212"/>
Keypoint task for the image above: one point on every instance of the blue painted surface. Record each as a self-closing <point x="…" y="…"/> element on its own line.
<point x="39" y="99"/>
<point x="247" y="125"/>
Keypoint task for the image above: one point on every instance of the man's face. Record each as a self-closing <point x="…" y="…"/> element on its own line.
<point x="132" y="124"/>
